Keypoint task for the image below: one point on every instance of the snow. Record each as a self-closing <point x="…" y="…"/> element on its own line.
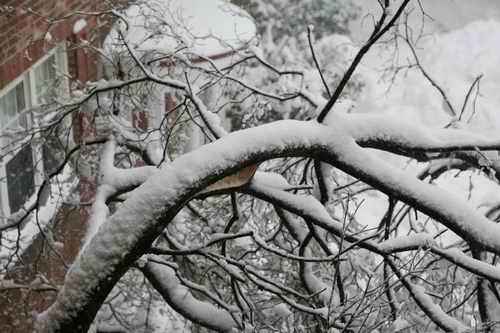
<point x="434" y="311"/>
<point x="180" y="298"/>
<point x="405" y="243"/>
<point x="152" y="205"/>
<point x="454" y="59"/>
<point x="272" y="179"/>
<point x="206" y="27"/>
<point x="281" y="310"/>
<point x="212" y="120"/>
<point x="446" y="15"/>
<point x="426" y="304"/>
<point x="449" y="209"/>
<point x="309" y="207"/>
<point x="304" y="205"/>
<point x="79" y="25"/>
<point x="14" y="244"/>
<point x="48" y="37"/>
<point x="403" y="107"/>
<point x="156" y="202"/>
<point x="112" y="181"/>
<point x="400" y="324"/>
<point x="479" y="267"/>
<point x="412" y="118"/>
<point x="387" y="131"/>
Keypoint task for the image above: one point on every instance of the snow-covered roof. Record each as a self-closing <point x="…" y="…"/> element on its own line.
<point x="204" y="27"/>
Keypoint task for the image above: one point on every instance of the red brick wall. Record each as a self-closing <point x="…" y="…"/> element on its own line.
<point x="22" y="43"/>
<point x="24" y="24"/>
<point x="18" y="306"/>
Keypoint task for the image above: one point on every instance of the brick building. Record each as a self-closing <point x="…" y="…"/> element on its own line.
<point x="42" y="51"/>
<point x="46" y="52"/>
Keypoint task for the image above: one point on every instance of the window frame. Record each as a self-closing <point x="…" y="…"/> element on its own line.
<point x="28" y="78"/>
<point x="11" y="86"/>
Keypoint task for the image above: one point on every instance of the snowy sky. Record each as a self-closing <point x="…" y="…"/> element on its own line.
<point x="448" y="14"/>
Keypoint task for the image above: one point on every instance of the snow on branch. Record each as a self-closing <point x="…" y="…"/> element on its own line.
<point x="312" y="283"/>
<point x="431" y="309"/>
<point x="128" y="233"/>
<point x="113" y="180"/>
<point x="405" y="243"/>
<point x="386" y="132"/>
<point x="310" y="209"/>
<point x="118" y="178"/>
<point x="164" y="280"/>
<point x="476" y="266"/>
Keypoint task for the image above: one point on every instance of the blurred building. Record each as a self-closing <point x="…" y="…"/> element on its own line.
<point x="47" y="52"/>
<point x="41" y="57"/>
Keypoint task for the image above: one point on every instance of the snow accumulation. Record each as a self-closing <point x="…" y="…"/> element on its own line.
<point x="402" y="243"/>
<point x="14" y="244"/>
<point x="79" y="25"/>
<point x="204" y="27"/>
<point x="113" y="180"/>
<point x="131" y="225"/>
<point x="453" y="59"/>
<point x="180" y="298"/>
<point x="435" y="311"/>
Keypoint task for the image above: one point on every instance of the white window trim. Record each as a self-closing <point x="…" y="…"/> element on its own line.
<point x="28" y="77"/>
<point x="11" y="86"/>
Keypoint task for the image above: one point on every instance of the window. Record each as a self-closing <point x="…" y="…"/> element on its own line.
<point x="20" y="178"/>
<point x="24" y="161"/>
<point x="45" y="79"/>
<point x="12" y="106"/>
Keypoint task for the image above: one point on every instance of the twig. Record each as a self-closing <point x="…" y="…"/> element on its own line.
<point x="378" y="32"/>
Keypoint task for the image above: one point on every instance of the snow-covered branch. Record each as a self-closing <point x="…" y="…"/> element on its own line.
<point x="164" y="280"/>
<point x="386" y="132"/>
<point x="128" y="232"/>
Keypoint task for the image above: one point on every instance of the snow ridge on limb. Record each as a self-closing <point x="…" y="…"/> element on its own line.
<point x="126" y="235"/>
<point x="404" y="243"/>
<point x="121" y="179"/>
<point x="214" y="124"/>
<point x="308" y="207"/>
<point x="389" y="133"/>
<point x="132" y="228"/>
<point x="112" y="181"/>
<point x="431" y="309"/>
<point x="304" y="206"/>
<point x="313" y="284"/>
<point x="473" y="265"/>
<point x="165" y="281"/>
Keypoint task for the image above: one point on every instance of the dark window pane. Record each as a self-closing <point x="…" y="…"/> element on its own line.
<point x="20" y="178"/>
<point x="51" y="68"/>
<point x="21" y="105"/>
<point x="21" y="102"/>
